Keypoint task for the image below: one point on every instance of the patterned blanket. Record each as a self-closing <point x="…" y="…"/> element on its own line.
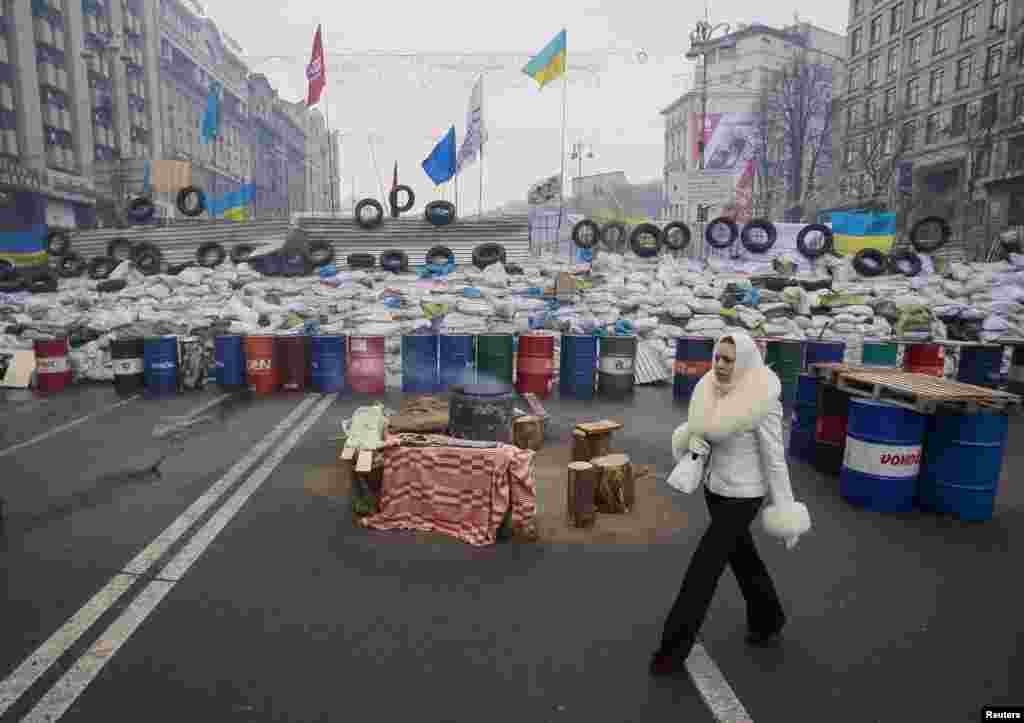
<point x="461" y="492"/>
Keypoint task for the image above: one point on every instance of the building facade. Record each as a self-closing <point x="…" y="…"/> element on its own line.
<point x="740" y="65"/>
<point x="92" y="89"/>
<point x="936" y="88"/>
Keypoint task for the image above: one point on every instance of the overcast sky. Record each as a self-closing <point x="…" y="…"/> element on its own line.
<point x="409" y="104"/>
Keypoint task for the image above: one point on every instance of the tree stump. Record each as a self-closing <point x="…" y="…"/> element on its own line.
<point x="528" y="432"/>
<point x="615" y="493"/>
<point x="593" y="439"/>
<point x="580" y="488"/>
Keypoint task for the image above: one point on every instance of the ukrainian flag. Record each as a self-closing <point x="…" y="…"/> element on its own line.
<point x="25" y="248"/>
<point x="550" y="63"/>
<point x="853" y="232"/>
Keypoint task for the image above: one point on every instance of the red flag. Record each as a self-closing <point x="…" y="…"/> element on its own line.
<point x="316" y="72"/>
<point x="394" y="180"/>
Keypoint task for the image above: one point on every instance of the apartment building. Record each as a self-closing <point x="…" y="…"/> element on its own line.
<point x="92" y="89"/>
<point x="937" y="86"/>
<point x="740" y="65"/>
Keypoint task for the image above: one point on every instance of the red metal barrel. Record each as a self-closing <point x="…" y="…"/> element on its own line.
<point x="260" y="371"/>
<point x="535" y="364"/>
<point x="292" y="362"/>
<point x="52" y="369"/>
<point x="366" y="364"/>
<point x="926" y="359"/>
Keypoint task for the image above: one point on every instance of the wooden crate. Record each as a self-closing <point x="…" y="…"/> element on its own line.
<point x="830" y="371"/>
<point x="924" y="393"/>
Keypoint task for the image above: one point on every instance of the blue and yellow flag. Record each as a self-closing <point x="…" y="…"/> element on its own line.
<point x="25" y="248"/>
<point x="550" y="63"/>
<point x="234" y="205"/>
<point x="853" y="232"/>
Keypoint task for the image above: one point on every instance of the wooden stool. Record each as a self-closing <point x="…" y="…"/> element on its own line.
<point x="593" y="439"/>
<point x="580" y="488"/>
<point x="616" y="491"/>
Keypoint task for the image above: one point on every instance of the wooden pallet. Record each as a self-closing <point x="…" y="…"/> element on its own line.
<point x="830" y="371"/>
<point x="924" y="393"/>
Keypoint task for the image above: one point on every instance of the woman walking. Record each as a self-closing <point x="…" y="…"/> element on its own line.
<point x="735" y="411"/>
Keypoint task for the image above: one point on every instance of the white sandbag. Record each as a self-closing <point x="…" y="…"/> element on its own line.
<point x="705" y="323"/>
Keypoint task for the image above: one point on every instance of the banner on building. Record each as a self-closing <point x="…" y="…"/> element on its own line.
<point x="729" y="153"/>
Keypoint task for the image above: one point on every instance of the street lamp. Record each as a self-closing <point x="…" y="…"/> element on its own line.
<point x="699" y="37"/>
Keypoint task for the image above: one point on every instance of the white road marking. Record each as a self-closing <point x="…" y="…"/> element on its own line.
<point x="26" y="674"/>
<point x="714" y="689"/>
<point x="65" y="427"/>
<point x="78" y="677"/>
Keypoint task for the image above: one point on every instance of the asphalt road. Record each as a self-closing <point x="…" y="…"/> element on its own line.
<point x="268" y="604"/>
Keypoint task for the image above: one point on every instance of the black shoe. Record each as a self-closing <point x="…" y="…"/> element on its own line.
<point x="764" y="640"/>
<point x="666" y="664"/>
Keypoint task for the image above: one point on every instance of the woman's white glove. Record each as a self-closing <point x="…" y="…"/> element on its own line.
<point x="699" y="447"/>
<point x="791" y="541"/>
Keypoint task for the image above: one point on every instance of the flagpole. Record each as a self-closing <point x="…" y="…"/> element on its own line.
<point x="480" y="202"/>
<point x="565" y="92"/>
<point x="327" y="120"/>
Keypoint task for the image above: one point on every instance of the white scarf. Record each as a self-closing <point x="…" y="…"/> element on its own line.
<point x="718" y="411"/>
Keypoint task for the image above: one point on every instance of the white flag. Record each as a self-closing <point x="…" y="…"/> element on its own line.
<point x="476" y="132"/>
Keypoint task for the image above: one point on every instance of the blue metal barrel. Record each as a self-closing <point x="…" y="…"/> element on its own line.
<point x="458" y="360"/>
<point x="693" y="361"/>
<point x="229" y="360"/>
<point x="419" y="363"/>
<point x="883" y="456"/>
<point x="327" y="363"/>
<point x="980" y="365"/>
<point x="963" y="459"/>
<point x="578" y="366"/>
<point x="160" y="365"/>
<point x="820" y="352"/>
<point x="802" y="443"/>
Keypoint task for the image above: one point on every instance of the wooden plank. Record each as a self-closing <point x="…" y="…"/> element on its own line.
<point x="364" y="463"/>
<point x="606" y="425"/>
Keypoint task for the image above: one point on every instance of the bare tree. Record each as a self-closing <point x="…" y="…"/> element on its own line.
<point x="797" y="127"/>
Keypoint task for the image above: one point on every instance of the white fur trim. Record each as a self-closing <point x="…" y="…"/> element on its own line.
<point x="786" y="519"/>
<point x="755" y="396"/>
<point x="680" y="441"/>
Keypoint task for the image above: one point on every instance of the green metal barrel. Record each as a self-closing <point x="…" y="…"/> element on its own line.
<point x="785" y="357"/>
<point x="880" y="353"/>
<point x="495" y="357"/>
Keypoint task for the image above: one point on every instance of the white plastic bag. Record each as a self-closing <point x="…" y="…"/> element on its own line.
<point x="689" y="472"/>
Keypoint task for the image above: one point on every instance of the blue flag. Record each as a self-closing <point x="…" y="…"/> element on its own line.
<point x="440" y="164"/>
<point x="211" y="119"/>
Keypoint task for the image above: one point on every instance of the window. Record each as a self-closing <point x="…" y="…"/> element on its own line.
<point x="958" y="120"/>
<point x="857" y="7"/>
<point x="854" y="79"/>
<point x="941" y="4"/>
<point x="941" y="42"/>
<point x="931" y="129"/>
<point x="967" y="21"/>
<point x="876" y="30"/>
<point x="896" y="18"/>
<point x="855" y="41"/>
<point x="914" y="50"/>
<point x="848" y="154"/>
<point x="870" y="110"/>
<point x="913" y="95"/>
<point x="890" y="102"/>
<point x="963" y="72"/>
<point x="999" y="14"/>
<point x="851" y="116"/>
<point x="935" y="85"/>
<point x="888" y="141"/>
<point x="994" y="62"/>
<point x="989" y="110"/>
<point x="909" y="131"/>
<point x="872" y="71"/>
<point x="916" y="10"/>
<point x="1018" y="101"/>
<point x="893" y="66"/>
<point x="982" y="162"/>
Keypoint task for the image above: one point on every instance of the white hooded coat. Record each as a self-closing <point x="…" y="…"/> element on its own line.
<point x="742" y="422"/>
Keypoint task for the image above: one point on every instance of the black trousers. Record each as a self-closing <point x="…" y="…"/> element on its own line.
<point x="727" y="541"/>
